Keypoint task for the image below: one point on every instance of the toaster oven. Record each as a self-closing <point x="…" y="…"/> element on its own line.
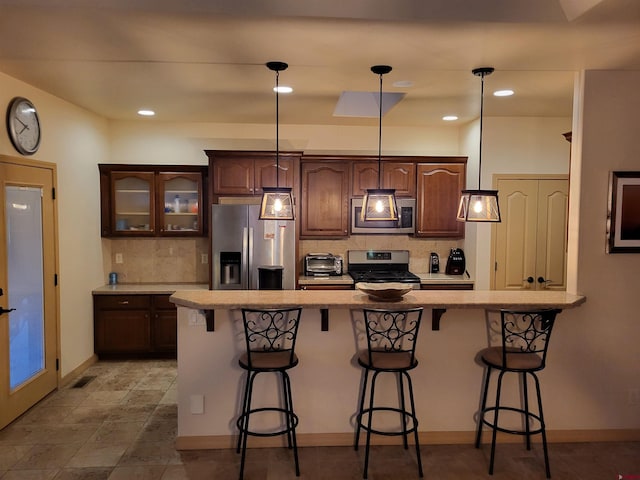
<point x="322" y="264"/>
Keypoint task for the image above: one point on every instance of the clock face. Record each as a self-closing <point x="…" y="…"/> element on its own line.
<point x="23" y="126"/>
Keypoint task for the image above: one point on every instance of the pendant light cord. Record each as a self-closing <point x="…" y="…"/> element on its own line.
<point x="277" y="131"/>
<point x="481" y="119"/>
<point x="380" y="138"/>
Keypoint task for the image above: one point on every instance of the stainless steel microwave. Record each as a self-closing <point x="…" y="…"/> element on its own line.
<point x="406" y="223"/>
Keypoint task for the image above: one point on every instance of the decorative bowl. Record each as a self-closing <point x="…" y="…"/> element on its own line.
<point x="385" y="291"/>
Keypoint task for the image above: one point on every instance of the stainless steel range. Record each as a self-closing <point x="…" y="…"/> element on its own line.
<point x="376" y="266"/>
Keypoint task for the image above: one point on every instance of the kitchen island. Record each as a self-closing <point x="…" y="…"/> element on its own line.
<point x="326" y="382"/>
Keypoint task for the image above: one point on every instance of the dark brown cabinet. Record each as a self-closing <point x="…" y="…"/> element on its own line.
<point x="446" y="286"/>
<point x="151" y="200"/>
<point x="327" y="286"/>
<point x="164" y="324"/>
<point x="245" y="173"/>
<point x="324" y="197"/>
<point x="438" y="193"/>
<point x="134" y="325"/>
<point x="396" y="174"/>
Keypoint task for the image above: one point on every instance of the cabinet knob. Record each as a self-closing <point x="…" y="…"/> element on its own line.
<point x="123" y="302"/>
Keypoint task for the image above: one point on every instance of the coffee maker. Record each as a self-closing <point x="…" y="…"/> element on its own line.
<point x="456" y="263"/>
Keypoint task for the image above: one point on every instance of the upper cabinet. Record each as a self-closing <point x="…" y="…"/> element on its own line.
<point x="245" y="173"/>
<point x="324" y="197"/>
<point x="152" y="200"/>
<point x="397" y="173"/>
<point x="438" y="193"/>
<point x="323" y="186"/>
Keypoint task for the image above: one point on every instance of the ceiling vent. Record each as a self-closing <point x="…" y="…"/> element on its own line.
<point x="365" y="104"/>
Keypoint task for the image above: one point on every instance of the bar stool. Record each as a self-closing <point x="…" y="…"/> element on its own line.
<point x="524" y="342"/>
<point x="391" y="346"/>
<point x="270" y="337"/>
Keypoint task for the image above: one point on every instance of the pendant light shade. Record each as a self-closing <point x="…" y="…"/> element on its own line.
<point x="479" y="205"/>
<point x="277" y="202"/>
<point x="379" y="203"/>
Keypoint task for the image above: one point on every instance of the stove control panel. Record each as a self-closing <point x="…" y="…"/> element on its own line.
<point x="373" y="255"/>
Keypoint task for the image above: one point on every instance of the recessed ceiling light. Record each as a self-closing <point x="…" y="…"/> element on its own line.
<point x="403" y="83"/>
<point x="450" y="118"/>
<point x="503" y="93"/>
<point x="283" y="89"/>
<point x="146" y="113"/>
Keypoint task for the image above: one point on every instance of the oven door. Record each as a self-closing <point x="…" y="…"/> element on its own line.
<point x="404" y="225"/>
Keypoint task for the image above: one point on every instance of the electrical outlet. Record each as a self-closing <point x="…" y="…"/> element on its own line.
<point x="204" y="258"/>
<point x="119" y="258"/>
<point x="196" y="318"/>
<point x="196" y="404"/>
<point x="634" y="396"/>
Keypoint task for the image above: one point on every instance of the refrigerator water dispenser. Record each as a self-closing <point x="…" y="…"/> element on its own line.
<point x="230" y="268"/>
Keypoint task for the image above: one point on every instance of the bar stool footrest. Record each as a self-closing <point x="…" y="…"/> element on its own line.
<point x="525" y="414"/>
<point x="293" y="420"/>
<point x="368" y="411"/>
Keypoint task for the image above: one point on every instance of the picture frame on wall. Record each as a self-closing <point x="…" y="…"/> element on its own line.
<point x="623" y="225"/>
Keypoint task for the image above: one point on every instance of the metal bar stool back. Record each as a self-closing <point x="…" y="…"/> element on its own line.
<point x="391" y="346"/>
<point x="524" y="342"/>
<point x="270" y="336"/>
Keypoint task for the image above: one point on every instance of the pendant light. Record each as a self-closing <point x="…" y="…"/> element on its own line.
<point x="379" y="203"/>
<point x="277" y="202"/>
<point x="479" y="205"/>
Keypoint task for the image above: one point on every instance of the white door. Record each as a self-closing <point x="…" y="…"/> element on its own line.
<point x="530" y="243"/>
<point x="28" y="318"/>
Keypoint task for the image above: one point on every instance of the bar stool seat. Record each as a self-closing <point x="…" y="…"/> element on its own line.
<point x="391" y="341"/>
<point x="524" y="338"/>
<point x="270" y="336"/>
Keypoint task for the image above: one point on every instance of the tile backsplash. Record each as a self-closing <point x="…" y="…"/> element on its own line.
<point x="179" y="260"/>
<point x="160" y="260"/>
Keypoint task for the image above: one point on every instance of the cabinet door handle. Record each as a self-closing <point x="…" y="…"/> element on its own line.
<point x="123" y="302"/>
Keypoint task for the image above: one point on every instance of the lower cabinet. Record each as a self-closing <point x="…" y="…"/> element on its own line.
<point x="327" y="286"/>
<point x="446" y="286"/>
<point x="134" y="325"/>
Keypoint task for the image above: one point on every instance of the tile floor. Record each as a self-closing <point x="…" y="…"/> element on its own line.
<point x="121" y="425"/>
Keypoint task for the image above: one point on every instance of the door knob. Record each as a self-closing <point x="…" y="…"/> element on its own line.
<point x="528" y="280"/>
<point x="2" y="310"/>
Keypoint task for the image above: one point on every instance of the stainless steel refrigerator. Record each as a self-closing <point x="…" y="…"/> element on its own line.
<point x="250" y="254"/>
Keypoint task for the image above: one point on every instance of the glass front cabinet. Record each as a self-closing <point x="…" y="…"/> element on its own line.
<point x="147" y="200"/>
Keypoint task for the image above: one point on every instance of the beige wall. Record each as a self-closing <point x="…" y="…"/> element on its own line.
<point x="75" y="140"/>
<point x="595" y="349"/>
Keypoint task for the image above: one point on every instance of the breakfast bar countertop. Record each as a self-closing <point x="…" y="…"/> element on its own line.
<point x="328" y="299"/>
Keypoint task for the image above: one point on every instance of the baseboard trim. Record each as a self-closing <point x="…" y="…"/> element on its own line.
<point x="217" y="442"/>
<point x="76" y="372"/>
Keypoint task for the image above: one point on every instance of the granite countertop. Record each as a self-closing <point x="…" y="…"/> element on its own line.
<point x="444" y="278"/>
<point x="147" y="288"/>
<point x="425" y="278"/>
<point x="325" y="280"/>
<point x="441" y="299"/>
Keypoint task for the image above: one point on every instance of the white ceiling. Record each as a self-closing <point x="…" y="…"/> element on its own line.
<point x="203" y="60"/>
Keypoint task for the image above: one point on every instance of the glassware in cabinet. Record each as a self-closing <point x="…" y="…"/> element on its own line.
<point x="133" y="207"/>
<point x="181" y="195"/>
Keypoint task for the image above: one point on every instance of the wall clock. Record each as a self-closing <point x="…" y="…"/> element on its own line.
<point x="23" y="126"/>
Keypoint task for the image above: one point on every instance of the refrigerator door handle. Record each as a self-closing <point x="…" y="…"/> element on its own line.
<point x="245" y="259"/>
<point x="250" y="268"/>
